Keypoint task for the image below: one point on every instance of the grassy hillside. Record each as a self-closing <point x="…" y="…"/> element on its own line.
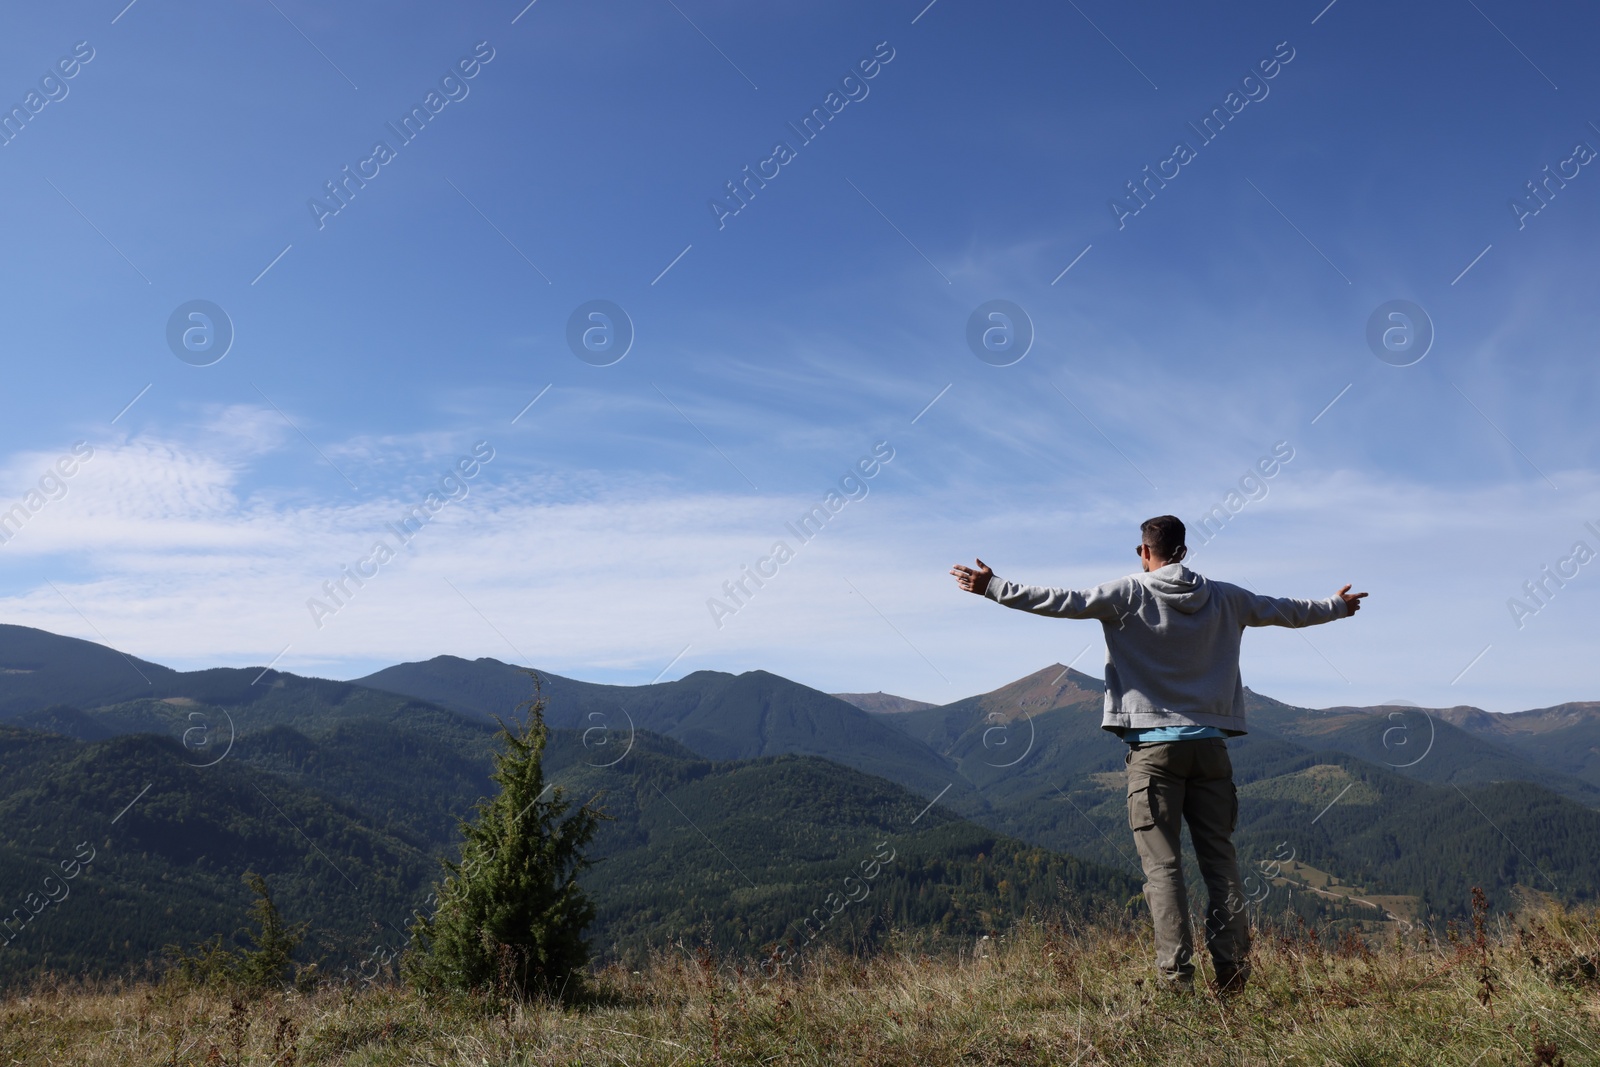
<point x="346" y="822"/>
<point x="347" y="778"/>
<point x="758" y="802"/>
<point x="1390" y="833"/>
<point x="1056" y="991"/>
<point x="795" y="848"/>
<point x="411" y="768"/>
<point x="1047" y="773"/>
<point x="1421" y="744"/>
<point x="164" y="846"/>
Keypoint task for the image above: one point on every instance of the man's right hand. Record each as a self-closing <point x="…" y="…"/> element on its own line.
<point x="1352" y="601"/>
<point x="977" y="581"/>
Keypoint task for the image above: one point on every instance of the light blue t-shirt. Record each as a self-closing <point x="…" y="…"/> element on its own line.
<point x="1171" y="733"/>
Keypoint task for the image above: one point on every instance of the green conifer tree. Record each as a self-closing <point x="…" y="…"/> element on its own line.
<point x="270" y="959"/>
<point x="509" y="917"/>
<point x="266" y="964"/>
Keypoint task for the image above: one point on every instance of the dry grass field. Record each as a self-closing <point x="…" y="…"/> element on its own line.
<point x="1518" y="990"/>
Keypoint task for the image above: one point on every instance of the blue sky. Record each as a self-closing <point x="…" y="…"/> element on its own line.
<point x="772" y="351"/>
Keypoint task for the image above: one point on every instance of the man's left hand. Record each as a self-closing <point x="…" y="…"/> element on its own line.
<point x="977" y="581"/>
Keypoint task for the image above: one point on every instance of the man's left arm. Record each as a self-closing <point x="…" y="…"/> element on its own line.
<point x="1289" y="611"/>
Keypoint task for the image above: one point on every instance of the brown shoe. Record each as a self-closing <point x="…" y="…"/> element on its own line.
<point x="1231" y="980"/>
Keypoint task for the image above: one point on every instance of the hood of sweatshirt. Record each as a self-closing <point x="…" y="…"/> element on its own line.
<point x="1178" y="586"/>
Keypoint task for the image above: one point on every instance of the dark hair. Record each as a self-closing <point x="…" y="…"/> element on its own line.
<point x="1164" y="534"/>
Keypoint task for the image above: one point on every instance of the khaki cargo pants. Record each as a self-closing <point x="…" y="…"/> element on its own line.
<point x="1170" y="783"/>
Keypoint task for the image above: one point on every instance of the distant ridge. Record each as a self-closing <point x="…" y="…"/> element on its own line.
<point x="881" y="703"/>
<point x="39" y="668"/>
<point x="717" y="715"/>
<point x="49" y="682"/>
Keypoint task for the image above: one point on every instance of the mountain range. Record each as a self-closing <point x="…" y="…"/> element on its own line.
<point x="745" y="807"/>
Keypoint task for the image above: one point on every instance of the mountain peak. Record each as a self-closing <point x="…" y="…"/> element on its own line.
<point x="1055" y="686"/>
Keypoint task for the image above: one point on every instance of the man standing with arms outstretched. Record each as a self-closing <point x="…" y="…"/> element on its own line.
<point x="1173" y="693"/>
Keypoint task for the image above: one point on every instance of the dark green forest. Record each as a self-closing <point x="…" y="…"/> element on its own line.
<point x="748" y="812"/>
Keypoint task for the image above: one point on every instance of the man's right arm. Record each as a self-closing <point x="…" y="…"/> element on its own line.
<point x="1102" y="602"/>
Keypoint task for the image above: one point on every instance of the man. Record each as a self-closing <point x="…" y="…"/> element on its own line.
<point x="1173" y="692"/>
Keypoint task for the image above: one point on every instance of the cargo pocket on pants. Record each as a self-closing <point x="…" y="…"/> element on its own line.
<point x="1141" y="816"/>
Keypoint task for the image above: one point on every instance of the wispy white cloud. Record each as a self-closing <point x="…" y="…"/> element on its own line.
<point x="158" y="545"/>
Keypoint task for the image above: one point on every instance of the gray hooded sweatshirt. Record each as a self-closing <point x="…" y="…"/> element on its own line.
<point x="1172" y="641"/>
